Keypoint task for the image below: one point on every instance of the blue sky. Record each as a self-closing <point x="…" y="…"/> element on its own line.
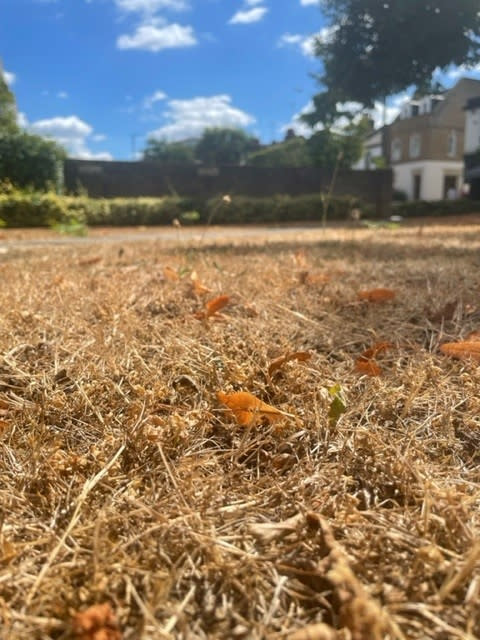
<point x="102" y="75"/>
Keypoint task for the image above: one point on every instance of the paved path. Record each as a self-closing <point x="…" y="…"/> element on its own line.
<point x="166" y="235"/>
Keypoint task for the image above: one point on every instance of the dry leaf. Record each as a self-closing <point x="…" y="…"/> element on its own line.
<point x="85" y="262"/>
<point x="318" y="631"/>
<point x="276" y="364"/>
<point x="247" y="408"/>
<point x="198" y="288"/>
<point x="368" y="367"/>
<point x="366" y="362"/>
<point x="377" y="295"/>
<point x="215" y="305"/>
<point x="375" y="349"/>
<point x="473" y="337"/>
<point x="170" y="274"/>
<point x="98" y="622"/>
<point x="466" y="350"/>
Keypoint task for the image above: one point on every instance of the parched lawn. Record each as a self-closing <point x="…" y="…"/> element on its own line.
<point x="124" y="481"/>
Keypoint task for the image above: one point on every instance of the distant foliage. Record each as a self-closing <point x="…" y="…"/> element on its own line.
<point x="326" y="146"/>
<point x="169" y="153"/>
<point x="223" y="146"/>
<point x="291" y="153"/>
<point x="30" y="161"/>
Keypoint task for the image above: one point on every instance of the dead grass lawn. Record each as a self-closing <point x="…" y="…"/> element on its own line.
<point x="123" y="480"/>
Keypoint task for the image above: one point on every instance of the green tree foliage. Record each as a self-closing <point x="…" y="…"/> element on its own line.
<point x="29" y="161"/>
<point x="8" y="110"/>
<point x="169" y="153"/>
<point x="326" y="147"/>
<point x="291" y="153"/>
<point x="223" y="146"/>
<point x="376" y="48"/>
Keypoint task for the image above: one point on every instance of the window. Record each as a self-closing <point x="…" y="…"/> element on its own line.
<point x="452" y="144"/>
<point x="414" y="145"/>
<point x="396" y="150"/>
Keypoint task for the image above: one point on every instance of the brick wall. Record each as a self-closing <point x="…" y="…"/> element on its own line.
<point x="134" y="179"/>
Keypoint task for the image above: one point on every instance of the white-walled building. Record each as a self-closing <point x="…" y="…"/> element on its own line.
<point x="425" y="144"/>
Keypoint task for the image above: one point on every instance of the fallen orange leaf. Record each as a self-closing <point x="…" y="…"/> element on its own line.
<point x="368" y="367"/>
<point x="198" y="288"/>
<point x="375" y="349"/>
<point x="465" y="350"/>
<point x="247" y="408"/>
<point x="377" y="295"/>
<point x="302" y="356"/>
<point x="366" y="362"/>
<point x="215" y="305"/>
<point x="170" y="274"/>
<point x="98" y="622"/>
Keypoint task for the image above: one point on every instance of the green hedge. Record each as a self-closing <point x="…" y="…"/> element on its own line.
<point x="435" y="208"/>
<point x="21" y="209"/>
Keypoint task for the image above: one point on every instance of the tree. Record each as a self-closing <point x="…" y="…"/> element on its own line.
<point x="8" y="109"/>
<point x="375" y="49"/>
<point x="28" y="160"/>
<point x="329" y="149"/>
<point x="223" y="146"/>
<point x="169" y="153"/>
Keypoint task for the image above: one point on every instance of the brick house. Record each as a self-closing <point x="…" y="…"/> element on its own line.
<point x="425" y="144"/>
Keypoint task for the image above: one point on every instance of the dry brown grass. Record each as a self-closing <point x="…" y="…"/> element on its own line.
<point x="124" y="481"/>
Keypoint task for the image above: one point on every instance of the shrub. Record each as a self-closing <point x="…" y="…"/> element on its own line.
<point x="435" y="208"/>
<point x="32" y="209"/>
<point x="282" y="208"/>
<point x="30" y="161"/>
<point x="23" y="209"/>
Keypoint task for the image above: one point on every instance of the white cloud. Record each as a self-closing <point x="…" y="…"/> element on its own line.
<point x="290" y="38"/>
<point x="306" y="3"/>
<point x="9" y="77"/>
<point x="151" y="6"/>
<point x="72" y="133"/>
<point x="248" y="16"/>
<point x="300" y="128"/>
<point x="99" y="137"/>
<point x="157" y="96"/>
<point x="62" y="94"/>
<point x="306" y="44"/>
<point x="153" y="38"/>
<point x="189" y="118"/>
<point x="252" y="3"/>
